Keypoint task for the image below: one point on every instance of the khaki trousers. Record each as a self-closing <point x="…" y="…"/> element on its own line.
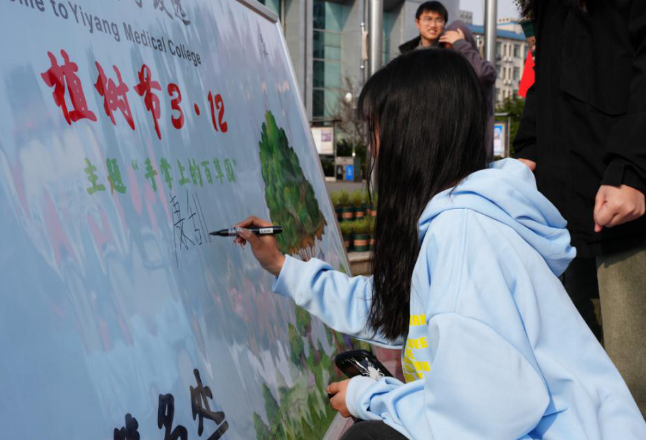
<point x="622" y="291"/>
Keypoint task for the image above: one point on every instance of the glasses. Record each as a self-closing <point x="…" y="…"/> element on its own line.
<point x="431" y="20"/>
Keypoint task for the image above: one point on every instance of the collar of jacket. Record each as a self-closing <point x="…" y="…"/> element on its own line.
<point x="410" y="45"/>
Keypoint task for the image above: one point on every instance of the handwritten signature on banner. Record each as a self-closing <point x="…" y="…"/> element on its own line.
<point x="67" y="86"/>
<point x="200" y="174"/>
<point x="184" y="238"/>
<point x="200" y="409"/>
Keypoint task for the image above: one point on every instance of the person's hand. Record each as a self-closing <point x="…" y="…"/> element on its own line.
<point x="616" y="205"/>
<point x="530" y="164"/>
<point x="451" y="37"/>
<point x="264" y="248"/>
<point x="338" y="401"/>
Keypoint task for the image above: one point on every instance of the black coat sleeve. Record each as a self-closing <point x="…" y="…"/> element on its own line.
<point x="525" y="140"/>
<point x="626" y="148"/>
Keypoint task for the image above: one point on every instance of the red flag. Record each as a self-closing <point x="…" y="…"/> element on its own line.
<point x="528" y="76"/>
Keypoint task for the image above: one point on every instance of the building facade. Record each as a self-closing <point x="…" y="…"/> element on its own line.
<point x="466" y="16"/>
<point x="511" y="50"/>
<point x="327" y="42"/>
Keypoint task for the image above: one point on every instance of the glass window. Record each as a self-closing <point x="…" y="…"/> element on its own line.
<point x="389" y="23"/>
<point x="274" y="5"/>
<point x="329" y="20"/>
<point x="325" y="103"/>
<point x="517" y="50"/>
<point x="329" y="16"/>
<point x="516" y="73"/>
<point x="326" y="45"/>
<point x="327" y="74"/>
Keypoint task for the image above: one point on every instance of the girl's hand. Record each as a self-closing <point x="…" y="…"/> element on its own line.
<point x="530" y="163"/>
<point x="264" y="248"/>
<point x="338" y="401"/>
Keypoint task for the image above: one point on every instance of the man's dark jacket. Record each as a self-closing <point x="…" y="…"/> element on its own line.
<point x="584" y="122"/>
<point x="410" y="45"/>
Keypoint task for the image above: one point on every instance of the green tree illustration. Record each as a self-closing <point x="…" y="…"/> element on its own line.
<point x="296" y="347"/>
<point x="271" y="406"/>
<point x="262" y="430"/>
<point x="289" y="196"/>
<point x="304" y="327"/>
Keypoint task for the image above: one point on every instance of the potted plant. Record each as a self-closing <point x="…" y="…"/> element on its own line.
<point x="366" y="203"/>
<point x="371" y="231"/>
<point x="346" y="232"/>
<point x="357" y="203"/>
<point x="373" y="210"/>
<point x="347" y="213"/>
<point x="361" y="240"/>
<point x="336" y="202"/>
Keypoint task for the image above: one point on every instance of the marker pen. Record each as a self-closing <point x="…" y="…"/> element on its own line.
<point x="232" y="232"/>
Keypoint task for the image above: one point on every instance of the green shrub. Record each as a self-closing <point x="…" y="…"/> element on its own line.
<point x="357" y="198"/>
<point x="346" y="228"/>
<point x="344" y="198"/>
<point x="360" y="226"/>
<point x="366" y="198"/>
<point x="336" y="198"/>
<point x="371" y="224"/>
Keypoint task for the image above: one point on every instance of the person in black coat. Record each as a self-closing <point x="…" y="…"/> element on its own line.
<point x="583" y="132"/>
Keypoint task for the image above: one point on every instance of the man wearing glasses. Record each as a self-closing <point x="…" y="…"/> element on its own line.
<point x="430" y="19"/>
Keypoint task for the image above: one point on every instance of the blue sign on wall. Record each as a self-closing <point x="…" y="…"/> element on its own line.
<point x="349" y="172"/>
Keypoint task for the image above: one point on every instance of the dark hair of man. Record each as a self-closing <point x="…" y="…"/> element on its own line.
<point x="433" y="7"/>
<point x="429" y="113"/>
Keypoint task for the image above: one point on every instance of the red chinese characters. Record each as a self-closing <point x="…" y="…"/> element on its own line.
<point x="68" y="94"/>
<point x="176" y="95"/>
<point x="217" y="103"/>
<point x="64" y="79"/>
<point x="145" y="88"/>
<point x="114" y="96"/>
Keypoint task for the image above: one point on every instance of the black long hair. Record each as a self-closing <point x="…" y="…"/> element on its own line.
<point x="426" y="116"/>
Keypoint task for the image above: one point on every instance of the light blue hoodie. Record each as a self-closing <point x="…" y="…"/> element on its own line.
<point x="495" y="349"/>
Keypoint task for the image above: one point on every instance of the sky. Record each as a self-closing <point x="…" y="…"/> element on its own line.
<point x="506" y="8"/>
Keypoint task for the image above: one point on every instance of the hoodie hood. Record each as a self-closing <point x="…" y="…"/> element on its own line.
<point x="506" y="191"/>
<point x="468" y="35"/>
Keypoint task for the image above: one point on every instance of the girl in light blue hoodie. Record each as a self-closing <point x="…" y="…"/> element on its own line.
<point x="465" y="273"/>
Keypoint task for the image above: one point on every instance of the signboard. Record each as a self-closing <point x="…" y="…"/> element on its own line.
<point x="349" y="172"/>
<point x="500" y="139"/>
<point x="130" y="129"/>
<point x="324" y="139"/>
